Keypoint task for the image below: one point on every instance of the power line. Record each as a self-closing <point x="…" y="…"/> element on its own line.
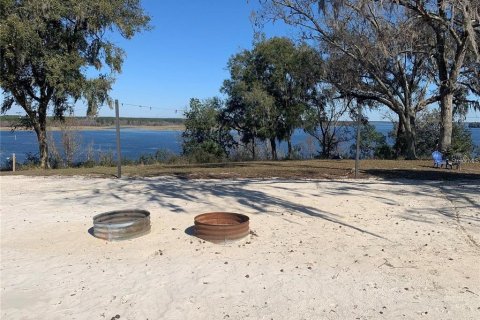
<point x="151" y="107"/>
<point x="177" y="110"/>
<point x="136" y="105"/>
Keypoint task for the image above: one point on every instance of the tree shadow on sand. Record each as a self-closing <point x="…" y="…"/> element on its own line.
<point x="166" y="191"/>
<point x="462" y="190"/>
<point x="163" y="190"/>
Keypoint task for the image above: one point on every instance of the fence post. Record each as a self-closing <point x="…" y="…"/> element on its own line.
<point x="13" y="162"/>
<point x="119" y="155"/>
<point x="357" y="155"/>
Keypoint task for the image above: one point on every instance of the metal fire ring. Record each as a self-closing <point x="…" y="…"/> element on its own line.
<point x="121" y="224"/>
<point x="221" y="226"/>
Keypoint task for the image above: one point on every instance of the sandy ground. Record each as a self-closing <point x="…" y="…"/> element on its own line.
<point x="321" y="250"/>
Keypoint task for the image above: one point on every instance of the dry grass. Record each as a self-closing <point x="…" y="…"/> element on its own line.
<point x="312" y="169"/>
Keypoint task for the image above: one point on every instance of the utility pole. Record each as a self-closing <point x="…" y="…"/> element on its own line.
<point x="119" y="155"/>
<point x="359" y="125"/>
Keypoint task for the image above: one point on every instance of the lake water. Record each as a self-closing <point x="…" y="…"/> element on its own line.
<point x="136" y="142"/>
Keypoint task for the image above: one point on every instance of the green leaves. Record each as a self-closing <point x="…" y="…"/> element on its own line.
<point x="49" y="46"/>
<point x="372" y="143"/>
<point x="268" y="87"/>
<point x="54" y="53"/>
<point x="204" y="138"/>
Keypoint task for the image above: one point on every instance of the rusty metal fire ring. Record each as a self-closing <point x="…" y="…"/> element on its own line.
<point x="221" y="226"/>
<point x="121" y="224"/>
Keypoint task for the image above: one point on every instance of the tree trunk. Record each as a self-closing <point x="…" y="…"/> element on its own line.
<point x="324" y="148"/>
<point x="40" y="126"/>
<point x="329" y="143"/>
<point x="446" y="115"/>
<point x="273" y="145"/>
<point x="290" y="149"/>
<point x="410" y="138"/>
<point x="405" y="145"/>
<point x="42" y="146"/>
<point x="253" y="148"/>
<point x="400" y="138"/>
<point x="446" y="92"/>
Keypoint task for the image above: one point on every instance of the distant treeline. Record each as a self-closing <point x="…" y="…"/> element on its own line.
<point x="474" y="125"/>
<point x="10" y="121"/>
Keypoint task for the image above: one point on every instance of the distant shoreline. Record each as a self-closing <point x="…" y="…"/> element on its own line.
<point x="93" y="128"/>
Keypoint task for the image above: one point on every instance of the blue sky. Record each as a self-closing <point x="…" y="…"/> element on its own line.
<point x="184" y="56"/>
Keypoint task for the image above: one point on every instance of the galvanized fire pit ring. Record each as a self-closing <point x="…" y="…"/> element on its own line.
<point x="221" y="226"/>
<point x="121" y="224"/>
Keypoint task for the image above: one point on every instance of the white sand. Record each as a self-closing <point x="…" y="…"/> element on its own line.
<point x="324" y="250"/>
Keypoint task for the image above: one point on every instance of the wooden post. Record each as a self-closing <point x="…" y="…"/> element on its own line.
<point x="119" y="155"/>
<point x="13" y="162"/>
<point x="357" y="155"/>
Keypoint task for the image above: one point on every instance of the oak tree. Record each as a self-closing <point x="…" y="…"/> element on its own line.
<point x="267" y="90"/>
<point x="381" y="52"/>
<point x="57" y="52"/>
<point x="453" y="27"/>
